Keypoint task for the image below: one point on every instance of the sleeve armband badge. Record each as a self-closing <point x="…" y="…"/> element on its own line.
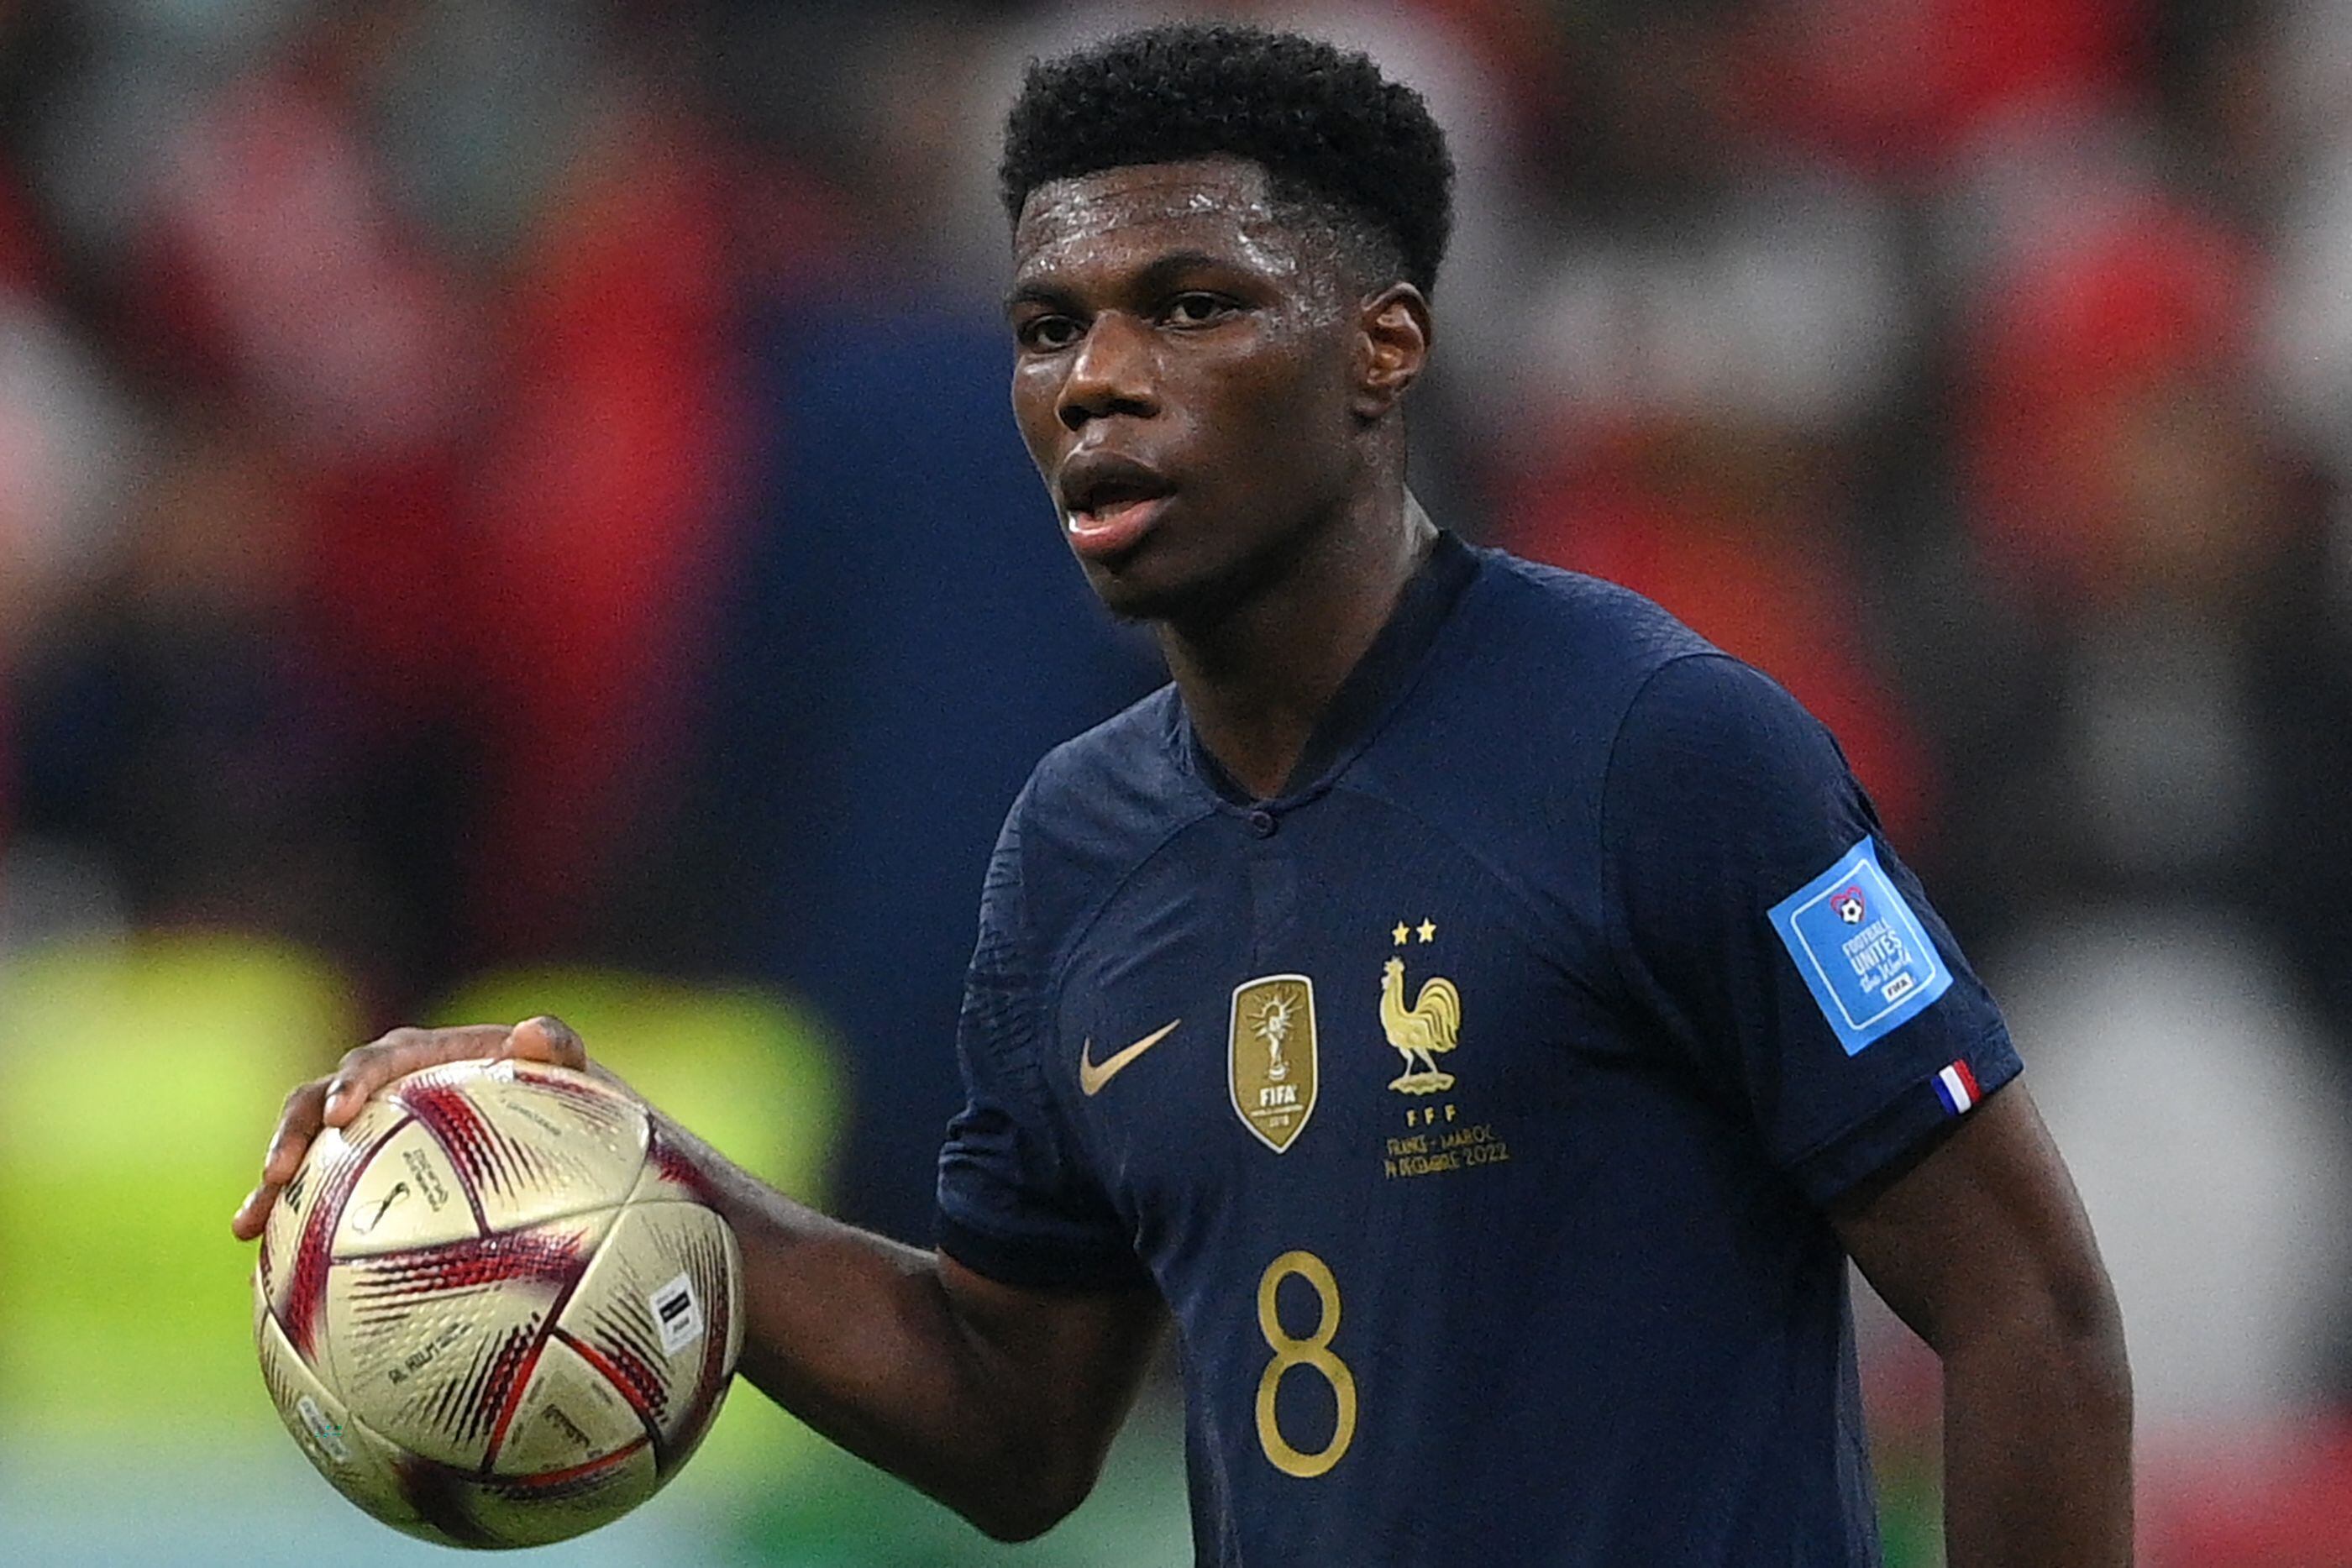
<point x="1863" y="953"/>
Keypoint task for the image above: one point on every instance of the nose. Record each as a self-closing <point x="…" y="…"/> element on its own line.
<point x="1112" y="372"/>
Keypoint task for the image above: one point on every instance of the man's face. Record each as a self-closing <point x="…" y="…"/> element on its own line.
<point x="1182" y="376"/>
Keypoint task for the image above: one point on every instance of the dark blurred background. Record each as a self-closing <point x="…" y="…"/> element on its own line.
<point x="510" y="505"/>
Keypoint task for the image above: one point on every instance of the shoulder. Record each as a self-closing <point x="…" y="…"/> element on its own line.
<point x="1542" y="664"/>
<point x="1094" y="808"/>
<point x="1570" y="613"/>
<point x="1504" y="745"/>
<point x="1561" y="642"/>
<point x="1117" y="779"/>
<point x="1715" y="762"/>
<point x="1708" y="717"/>
<point x="1608" y="660"/>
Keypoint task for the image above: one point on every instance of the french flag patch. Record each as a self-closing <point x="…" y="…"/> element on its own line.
<point x="1956" y="1086"/>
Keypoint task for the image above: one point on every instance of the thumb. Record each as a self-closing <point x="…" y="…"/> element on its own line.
<point x="547" y="1039"/>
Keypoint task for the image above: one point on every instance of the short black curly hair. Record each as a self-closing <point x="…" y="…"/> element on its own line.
<point x="1332" y="133"/>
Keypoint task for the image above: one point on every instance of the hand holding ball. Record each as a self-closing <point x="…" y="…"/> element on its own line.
<point x="496" y="1310"/>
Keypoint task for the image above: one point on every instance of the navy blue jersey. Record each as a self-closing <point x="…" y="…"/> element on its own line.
<point x="1474" y="1104"/>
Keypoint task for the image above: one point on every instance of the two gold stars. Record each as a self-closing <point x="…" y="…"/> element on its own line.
<point x="1426" y="931"/>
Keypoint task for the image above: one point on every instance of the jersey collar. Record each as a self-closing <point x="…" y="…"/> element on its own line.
<point x="1374" y="688"/>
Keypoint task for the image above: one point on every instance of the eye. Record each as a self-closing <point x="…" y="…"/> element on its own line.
<point x="1195" y="307"/>
<point x="1046" y="334"/>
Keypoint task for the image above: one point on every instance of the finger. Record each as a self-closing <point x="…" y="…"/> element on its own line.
<point x="253" y="1215"/>
<point x="370" y="1067"/>
<point x="548" y="1039"/>
<point x="298" y="1124"/>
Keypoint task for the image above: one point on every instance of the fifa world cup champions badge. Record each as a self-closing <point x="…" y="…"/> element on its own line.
<point x="1271" y="1065"/>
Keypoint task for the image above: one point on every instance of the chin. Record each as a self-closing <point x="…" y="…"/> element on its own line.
<point x="1134" y="601"/>
<point x="1195" y="578"/>
<point x="1136" y="592"/>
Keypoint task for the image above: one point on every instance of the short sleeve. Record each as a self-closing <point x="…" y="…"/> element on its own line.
<point x="1762" y="922"/>
<point x="1015" y="1203"/>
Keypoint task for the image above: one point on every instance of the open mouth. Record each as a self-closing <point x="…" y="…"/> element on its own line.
<point x="1107" y="511"/>
<point x="1109" y="505"/>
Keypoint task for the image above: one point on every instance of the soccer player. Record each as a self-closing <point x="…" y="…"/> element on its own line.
<point x="1482" y="1016"/>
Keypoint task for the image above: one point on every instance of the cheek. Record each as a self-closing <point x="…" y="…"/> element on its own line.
<point x="1036" y="392"/>
<point x="1292" y="401"/>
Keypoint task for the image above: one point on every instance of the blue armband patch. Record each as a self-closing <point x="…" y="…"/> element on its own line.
<point x="1863" y="953"/>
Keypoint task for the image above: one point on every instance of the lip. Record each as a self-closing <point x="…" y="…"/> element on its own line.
<point x="1110" y="502"/>
<point x="1116" y="529"/>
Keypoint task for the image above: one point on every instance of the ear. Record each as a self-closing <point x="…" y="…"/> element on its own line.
<point x="1393" y="336"/>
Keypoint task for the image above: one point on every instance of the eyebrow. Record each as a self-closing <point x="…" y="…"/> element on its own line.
<point x="1156" y="275"/>
<point x="1036" y="294"/>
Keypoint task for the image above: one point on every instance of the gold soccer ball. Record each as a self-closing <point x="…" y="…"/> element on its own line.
<point x="496" y="1310"/>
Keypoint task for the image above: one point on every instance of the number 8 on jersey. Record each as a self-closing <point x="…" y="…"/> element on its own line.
<point x="1313" y="1352"/>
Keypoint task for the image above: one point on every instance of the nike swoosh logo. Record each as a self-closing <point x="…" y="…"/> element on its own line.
<point x="1092" y="1076"/>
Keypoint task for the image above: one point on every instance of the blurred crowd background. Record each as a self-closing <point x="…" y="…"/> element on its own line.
<point x="509" y="504"/>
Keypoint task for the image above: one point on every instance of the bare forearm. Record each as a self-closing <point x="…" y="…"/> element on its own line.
<point x="2037" y="1451"/>
<point x="1982" y="1247"/>
<point x="860" y="1336"/>
<point x="851" y="1331"/>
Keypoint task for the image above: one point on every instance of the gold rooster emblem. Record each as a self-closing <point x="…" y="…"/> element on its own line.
<point x="1421" y="1032"/>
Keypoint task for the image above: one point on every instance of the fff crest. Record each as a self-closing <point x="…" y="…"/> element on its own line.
<point x="1270" y="1059"/>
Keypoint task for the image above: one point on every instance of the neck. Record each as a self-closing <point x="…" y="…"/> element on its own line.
<point x="1257" y="677"/>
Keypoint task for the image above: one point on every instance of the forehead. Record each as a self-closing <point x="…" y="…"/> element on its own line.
<point x="1223" y="207"/>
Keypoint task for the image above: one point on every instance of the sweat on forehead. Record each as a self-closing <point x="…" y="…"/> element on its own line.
<point x="1207" y="188"/>
<point x="1216" y="202"/>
